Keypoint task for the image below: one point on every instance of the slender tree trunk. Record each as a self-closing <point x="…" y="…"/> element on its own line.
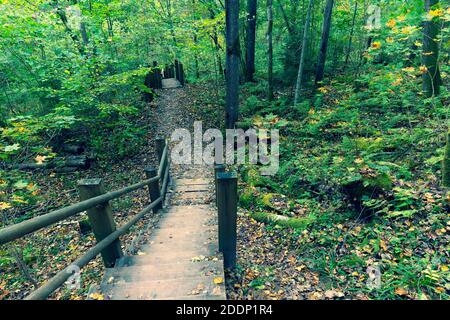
<point x="84" y="34"/>
<point x="250" y="40"/>
<point x="324" y="41"/>
<point x="298" y="86"/>
<point x="285" y="18"/>
<point x="232" y="63"/>
<point x="215" y="39"/>
<point x="197" y="72"/>
<point x="270" y="49"/>
<point x="195" y="38"/>
<point x="350" y="40"/>
<point x="431" y="78"/>
<point x="446" y="164"/>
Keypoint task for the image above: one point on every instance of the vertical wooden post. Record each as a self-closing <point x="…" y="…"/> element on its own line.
<point x="217" y="168"/>
<point x="101" y="219"/>
<point x="177" y="70"/>
<point x="182" y="80"/>
<point x="153" y="187"/>
<point x="158" y="75"/>
<point x="227" y="208"/>
<point x="160" y="145"/>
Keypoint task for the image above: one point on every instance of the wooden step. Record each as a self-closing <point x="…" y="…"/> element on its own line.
<point x="184" y="269"/>
<point x="201" y="196"/>
<point x="191" y="182"/>
<point x="193" y="188"/>
<point x="173" y="223"/>
<point x="182" y="239"/>
<point x="184" y="231"/>
<point x="170" y="257"/>
<point x="164" y="289"/>
<point x="170" y="249"/>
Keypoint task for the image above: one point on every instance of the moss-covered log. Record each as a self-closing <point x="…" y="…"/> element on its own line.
<point x="296" y="223"/>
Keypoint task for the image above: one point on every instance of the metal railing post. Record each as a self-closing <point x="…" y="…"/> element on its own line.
<point x="227" y="209"/>
<point x="101" y="219"/>
<point x="153" y="187"/>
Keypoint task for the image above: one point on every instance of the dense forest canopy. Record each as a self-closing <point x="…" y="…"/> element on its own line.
<point x="357" y="88"/>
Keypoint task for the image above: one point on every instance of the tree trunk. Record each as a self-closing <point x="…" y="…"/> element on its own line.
<point x="349" y="48"/>
<point x="285" y="18"/>
<point x="324" y="41"/>
<point x="446" y="164"/>
<point x="298" y="86"/>
<point x="250" y="40"/>
<point x="270" y="49"/>
<point x="431" y="78"/>
<point x="232" y="62"/>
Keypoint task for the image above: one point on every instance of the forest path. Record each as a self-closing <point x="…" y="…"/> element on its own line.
<point x="171" y="83"/>
<point x="179" y="257"/>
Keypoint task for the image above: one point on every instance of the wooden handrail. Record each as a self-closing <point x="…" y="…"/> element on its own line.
<point x="18" y="230"/>
<point x="21" y="229"/>
<point x="61" y="277"/>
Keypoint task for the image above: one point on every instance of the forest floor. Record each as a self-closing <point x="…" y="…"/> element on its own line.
<point x="396" y="246"/>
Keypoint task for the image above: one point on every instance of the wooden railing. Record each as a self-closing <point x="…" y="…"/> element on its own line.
<point x="176" y="71"/>
<point x="96" y="202"/>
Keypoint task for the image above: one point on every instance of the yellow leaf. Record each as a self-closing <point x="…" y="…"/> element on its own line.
<point x="408" y="30"/>
<point x="18" y="199"/>
<point x="391" y="23"/>
<point x="383" y="245"/>
<point x="376" y="45"/>
<point x="96" y="296"/>
<point x="40" y="159"/>
<point x="323" y="90"/>
<point x="439" y="290"/>
<point x="218" y="280"/>
<point x="401" y="292"/>
<point x="435" y="13"/>
<point x="423" y="69"/>
<point x="444" y="268"/>
<point x="409" y="69"/>
<point x="4" y="206"/>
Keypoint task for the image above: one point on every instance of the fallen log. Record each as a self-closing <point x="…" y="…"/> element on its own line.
<point x="73" y="148"/>
<point x="80" y="162"/>
<point x="283" y="221"/>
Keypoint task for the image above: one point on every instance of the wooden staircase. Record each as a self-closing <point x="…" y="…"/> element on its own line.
<point x="180" y="259"/>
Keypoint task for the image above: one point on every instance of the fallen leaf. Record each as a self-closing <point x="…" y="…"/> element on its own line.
<point x="330" y="294"/>
<point x="96" y="296"/>
<point x="401" y="292"/>
<point x="218" y="280"/>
